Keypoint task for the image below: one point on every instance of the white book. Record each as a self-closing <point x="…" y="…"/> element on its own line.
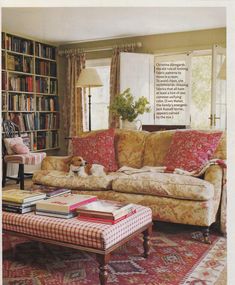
<point x="64" y="203"/>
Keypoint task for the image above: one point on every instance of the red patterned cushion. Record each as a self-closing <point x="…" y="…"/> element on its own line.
<point x="190" y="150"/>
<point x="98" y="148"/>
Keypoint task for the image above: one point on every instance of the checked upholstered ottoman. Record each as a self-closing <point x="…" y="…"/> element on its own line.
<point x="98" y="238"/>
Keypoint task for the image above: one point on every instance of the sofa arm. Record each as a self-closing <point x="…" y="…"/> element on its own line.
<point x="215" y="175"/>
<point x="60" y="163"/>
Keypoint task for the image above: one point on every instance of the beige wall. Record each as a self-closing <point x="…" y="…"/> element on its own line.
<point x="154" y="44"/>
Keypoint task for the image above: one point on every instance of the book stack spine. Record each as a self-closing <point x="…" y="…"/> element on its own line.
<point x="20" y="201"/>
<point x="103" y="220"/>
<point x="112" y="217"/>
<point x="63" y="206"/>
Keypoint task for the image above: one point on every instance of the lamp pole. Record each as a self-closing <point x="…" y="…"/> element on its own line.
<point x="89" y="108"/>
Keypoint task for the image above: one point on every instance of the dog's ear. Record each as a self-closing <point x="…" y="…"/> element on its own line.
<point x="88" y="169"/>
<point x="68" y="159"/>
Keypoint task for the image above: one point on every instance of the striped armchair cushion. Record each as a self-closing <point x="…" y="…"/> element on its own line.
<point x="29" y="158"/>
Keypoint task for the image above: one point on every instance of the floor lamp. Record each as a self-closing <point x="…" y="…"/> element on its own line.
<point x="89" y="78"/>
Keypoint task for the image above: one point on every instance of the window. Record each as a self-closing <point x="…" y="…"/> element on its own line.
<point x="201" y="90"/>
<point x="100" y="96"/>
<point x="187" y="88"/>
<point x="172" y="89"/>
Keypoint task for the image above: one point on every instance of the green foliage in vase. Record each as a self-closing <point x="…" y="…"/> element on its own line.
<point x="126" y="108"/>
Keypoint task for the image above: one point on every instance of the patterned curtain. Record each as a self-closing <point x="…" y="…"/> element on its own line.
<point x="115" y="80"/>
<point x="72" y="110"/>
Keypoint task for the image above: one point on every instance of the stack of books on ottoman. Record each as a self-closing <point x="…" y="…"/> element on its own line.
<point x="105" y="211"/>
<point x="20" y="201"/>
<point x="63" y="206"/>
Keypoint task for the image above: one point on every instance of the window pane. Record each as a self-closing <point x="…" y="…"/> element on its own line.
<point x="99" y="116"/>
<point x="100" y="98"/>
<point x="201" y="92"/>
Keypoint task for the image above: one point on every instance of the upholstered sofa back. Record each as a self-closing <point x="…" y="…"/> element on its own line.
<point x="137" y="149"/>
<point x="157" y="145"/>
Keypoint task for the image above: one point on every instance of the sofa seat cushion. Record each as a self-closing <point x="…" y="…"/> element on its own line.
<point x="165" y="185"/>
<point x="62" y="179"/>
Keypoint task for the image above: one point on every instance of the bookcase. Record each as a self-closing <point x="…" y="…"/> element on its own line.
<point x="29" y="90"/>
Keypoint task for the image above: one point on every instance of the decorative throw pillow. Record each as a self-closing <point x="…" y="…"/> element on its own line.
<point x="9" y="142"/>
<point x="190" y="150"/>
<point x="97" y="148"/>
<point x="20" y="148"/>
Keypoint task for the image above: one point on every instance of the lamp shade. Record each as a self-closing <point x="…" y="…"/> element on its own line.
<point x="222" y="72"/>
<point x="89" y="78"/>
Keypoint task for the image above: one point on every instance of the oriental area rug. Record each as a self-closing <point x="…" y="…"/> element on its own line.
<point x="177" y="257"/>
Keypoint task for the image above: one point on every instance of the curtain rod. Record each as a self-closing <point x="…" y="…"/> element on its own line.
<point x="79" y="50"/>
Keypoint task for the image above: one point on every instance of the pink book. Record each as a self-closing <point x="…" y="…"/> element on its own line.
<point x="64" y="203"/>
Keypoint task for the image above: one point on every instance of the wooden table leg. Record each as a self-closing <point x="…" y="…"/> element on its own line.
<point x="146" y="242"/>
<point x="103" y="267"/>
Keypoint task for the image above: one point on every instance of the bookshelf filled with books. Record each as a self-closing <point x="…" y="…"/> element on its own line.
<point x="29" y="90"/>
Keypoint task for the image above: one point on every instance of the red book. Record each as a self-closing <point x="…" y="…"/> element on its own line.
<point x="105" y="221"/>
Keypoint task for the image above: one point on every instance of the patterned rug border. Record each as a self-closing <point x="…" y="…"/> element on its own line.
<point x="198" y="269"/>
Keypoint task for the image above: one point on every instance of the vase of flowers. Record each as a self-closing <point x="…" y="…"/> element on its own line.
<point x="128" y="109"/>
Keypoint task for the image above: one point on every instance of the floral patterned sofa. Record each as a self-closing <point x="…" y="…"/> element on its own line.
<point x="172" y="197"/>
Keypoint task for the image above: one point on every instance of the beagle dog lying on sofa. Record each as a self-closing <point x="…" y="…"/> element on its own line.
<point x="79" y="167"/>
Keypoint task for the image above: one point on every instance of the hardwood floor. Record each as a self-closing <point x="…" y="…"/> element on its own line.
<point x="12" y="184"/>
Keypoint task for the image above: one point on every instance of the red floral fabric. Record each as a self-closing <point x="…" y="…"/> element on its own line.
<point x="98" y="148"/>
<point x="190" y="150"/>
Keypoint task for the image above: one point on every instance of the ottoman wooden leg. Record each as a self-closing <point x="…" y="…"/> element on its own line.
<point x="103" y="267"/>
<point x="147" y="233"/>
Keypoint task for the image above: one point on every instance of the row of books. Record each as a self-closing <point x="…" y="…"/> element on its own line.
<point x="43" y="67"/>
<point x="30" y="122"/>
<point x="53" y="70"/>
<point x="46" y="121"/>
<point x="18" y="44"/>
<point x="20" y="102"/>
<point x="45" y="51"/>
<point x="53" y="86"/>
<point x="18" y="63"/>
<point x="3" y="41"/>
<point x="4" y="101"/>
<point x="44" y="85"/>
<point x="4" y="80"/>
<point x="61" y="203"/>
<point x="25" y="102"/>
<point x="3" y="60"/>
<point x="47" y="140"/>
<point x="47" y="104"/>
<point x="21" y="83"/>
